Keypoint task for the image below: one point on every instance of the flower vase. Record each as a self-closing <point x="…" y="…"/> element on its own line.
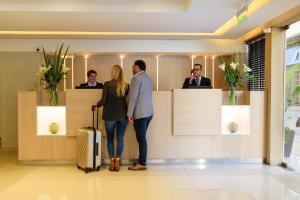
<point x="53" y="97"/>
<point x="53" y="128"/>
<point x="233" y="127"/>
<point x="232" y="97"/>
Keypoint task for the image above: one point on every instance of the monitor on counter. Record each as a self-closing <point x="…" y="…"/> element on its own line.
<point x="85" y="87"/>
<point x="200" y="87"/>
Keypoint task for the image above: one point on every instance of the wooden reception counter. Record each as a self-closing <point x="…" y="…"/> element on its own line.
<point x="187" y="124"/>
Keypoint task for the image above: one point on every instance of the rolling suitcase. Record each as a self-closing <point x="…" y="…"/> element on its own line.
<point x="88" y="147"/>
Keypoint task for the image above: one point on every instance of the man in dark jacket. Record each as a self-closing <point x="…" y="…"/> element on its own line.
<point x="92" y="77"/>
<point x="196" y="79"/>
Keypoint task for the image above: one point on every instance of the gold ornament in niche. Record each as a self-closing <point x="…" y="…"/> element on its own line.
<point x="53" y="128"/>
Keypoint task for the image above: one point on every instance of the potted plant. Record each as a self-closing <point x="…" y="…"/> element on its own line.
<point x="233" y="73"/>
<point x="53" y="71"/>
<point x="288" y="141"/>
<point x="289" y="133"/>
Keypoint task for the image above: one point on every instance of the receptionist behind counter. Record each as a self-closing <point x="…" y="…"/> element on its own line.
<point x="196" y="80"/>
<point x="92" y="77"/>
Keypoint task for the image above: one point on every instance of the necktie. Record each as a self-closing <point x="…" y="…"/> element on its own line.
<point x="197" y="81"/>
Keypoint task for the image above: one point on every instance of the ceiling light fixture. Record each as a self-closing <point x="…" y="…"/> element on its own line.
<point x="254" y="6"/>
<point x="242" y="14"/>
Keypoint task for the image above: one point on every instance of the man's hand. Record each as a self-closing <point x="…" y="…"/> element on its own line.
<point x="130" y="119"/>
<point x="191" y="78"/>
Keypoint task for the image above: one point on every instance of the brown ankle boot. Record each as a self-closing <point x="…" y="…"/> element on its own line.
<point x="111" y="165"/>
<point x="117" y="164"/>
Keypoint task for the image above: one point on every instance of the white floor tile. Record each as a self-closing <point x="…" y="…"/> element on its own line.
<point x="224" y="195"/>
<point x="165" y="182"/>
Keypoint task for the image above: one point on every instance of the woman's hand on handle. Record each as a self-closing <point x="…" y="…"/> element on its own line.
<point x="94" y="107"/>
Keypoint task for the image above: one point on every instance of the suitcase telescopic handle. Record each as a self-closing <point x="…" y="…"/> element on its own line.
<point x="93" y="123"/>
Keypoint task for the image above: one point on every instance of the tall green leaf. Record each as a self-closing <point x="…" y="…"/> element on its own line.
<point x="54" y="75"/>
<point x="296" y="91"/>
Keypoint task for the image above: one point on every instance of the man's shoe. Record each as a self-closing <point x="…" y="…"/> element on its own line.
<point x="137" y="167"/>
<point x="134" y="163"/>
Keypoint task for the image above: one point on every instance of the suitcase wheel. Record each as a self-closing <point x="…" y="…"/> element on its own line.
<point x="98" y="168"/>
<point x="86" y="170"/>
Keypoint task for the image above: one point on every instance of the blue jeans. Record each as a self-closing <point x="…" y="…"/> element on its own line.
<point x="110" y="133"/>
<point x="140" y="127"/>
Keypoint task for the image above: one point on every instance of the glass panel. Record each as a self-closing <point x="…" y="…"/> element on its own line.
<point x="292" y="98"/>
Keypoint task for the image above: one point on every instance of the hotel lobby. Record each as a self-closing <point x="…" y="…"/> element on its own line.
<point x="236" y="137"/>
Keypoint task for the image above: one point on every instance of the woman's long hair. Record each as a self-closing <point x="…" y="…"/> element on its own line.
<point x="117" y="74"/>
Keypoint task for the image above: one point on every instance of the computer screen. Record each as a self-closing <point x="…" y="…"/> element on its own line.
<point x="200" y="87"/>
<point x="84" y="87"/>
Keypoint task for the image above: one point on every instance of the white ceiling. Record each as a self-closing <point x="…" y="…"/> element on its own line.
<point x="133" y="16"/>
<point x="96" y="5"/>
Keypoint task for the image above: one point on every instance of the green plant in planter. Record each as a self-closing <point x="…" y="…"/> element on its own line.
<point x="288" y="77"/>
<point x="287" y="134"/>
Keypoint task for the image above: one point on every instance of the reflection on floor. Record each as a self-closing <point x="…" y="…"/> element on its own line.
<point x="166" y="182"/>
<point x="293" y="162"/>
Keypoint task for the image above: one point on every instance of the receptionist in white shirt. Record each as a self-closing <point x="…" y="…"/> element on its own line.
<point x="92" y="77"/>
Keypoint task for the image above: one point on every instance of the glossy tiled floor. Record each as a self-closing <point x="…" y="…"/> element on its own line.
<point x="177" y="182"/>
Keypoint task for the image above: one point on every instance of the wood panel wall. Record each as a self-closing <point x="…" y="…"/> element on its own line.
<point x="172" y="70"/>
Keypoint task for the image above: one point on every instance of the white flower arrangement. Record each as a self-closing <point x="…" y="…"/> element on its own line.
<point x="44" y="69"/>
<point x="234" y="73"/>
<point x="53" y="71"/>
<point x="222" y="66"/>
<point x="246" y="68"/>
<point x="65" y="69"/>
<point x="233" y="65"/>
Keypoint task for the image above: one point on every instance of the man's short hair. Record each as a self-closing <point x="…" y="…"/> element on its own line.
<point x="91" y="72"/>
<point x="141" y="64"/>
<point x="198" y="65"/>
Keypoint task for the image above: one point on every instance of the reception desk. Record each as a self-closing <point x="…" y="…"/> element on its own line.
<point x="187" y="124"/>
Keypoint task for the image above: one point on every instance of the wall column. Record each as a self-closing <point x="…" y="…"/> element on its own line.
<point x="275" y="64"/>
